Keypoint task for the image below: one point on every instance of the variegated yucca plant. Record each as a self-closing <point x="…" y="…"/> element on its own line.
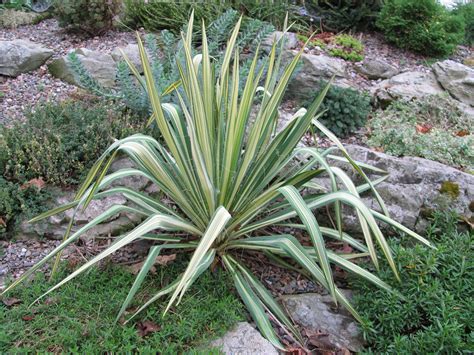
<point x="231" y="175"/>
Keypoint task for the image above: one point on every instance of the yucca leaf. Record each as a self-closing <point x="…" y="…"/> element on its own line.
<point x="216" y="227"/>
<point x="312" y="227"/>
<point x="254" y="305"/>
<point x="147" y="265"/>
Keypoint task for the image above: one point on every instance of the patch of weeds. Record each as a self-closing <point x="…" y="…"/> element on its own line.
<point x="438" y="285"/>
<point x="348" y="48"/>
<point x="431" y="127"/>
<point x="79" y="317"/>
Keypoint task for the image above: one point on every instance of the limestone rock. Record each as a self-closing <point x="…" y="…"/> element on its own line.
<point x="469" y="61"/>
<point x="100" y="66"/>
<point x="131" y="52"/>
<point x="314" y="69"/>
<point x="414" y="189"/>
<point x="317" y="313"/>
<point x="244" y="340"/>
<point x="291" y="41"/>
<point x="376" y="69"/>
<point x="457" y="79"/>
<point x="55" y="226"/>
<point x="21" y="56"/>
<point x="406" y="86"/>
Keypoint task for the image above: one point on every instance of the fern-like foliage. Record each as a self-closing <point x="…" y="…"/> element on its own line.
<point x="162" y="51"/>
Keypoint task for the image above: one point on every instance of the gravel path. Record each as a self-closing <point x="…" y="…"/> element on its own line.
<point x="38" y="86"/>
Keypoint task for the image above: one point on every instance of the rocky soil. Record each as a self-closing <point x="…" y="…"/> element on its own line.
<point x="29" y="89"/>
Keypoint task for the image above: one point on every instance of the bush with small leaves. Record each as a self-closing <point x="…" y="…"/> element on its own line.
<point x="346" y="110"/>
<point x="19" y="202"/>
<point x="59" y="141"/>
<point x="466" y="11"/>
<point x="91" y="17"/>
<point x="342" y="15"/>
<point x="422" y="26"/>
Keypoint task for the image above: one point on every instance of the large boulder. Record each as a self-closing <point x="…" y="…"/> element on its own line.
<point x="291" y="41"/>
<point x="55" y="226"/>
<point x="245" y="340"/>
<point x="406" y="86"/>
<point x="336" y="329"/>
<point x="21" y="56"/>
<point x="101" y="67"/>
<point x="375" y="69"/>
<point x="313" y="70"/>
<point x="457" y="79"/>
<point x="414" y="189"/>
<point x="132" y="52"/>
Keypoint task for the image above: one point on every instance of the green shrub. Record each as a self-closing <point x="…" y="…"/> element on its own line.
<point x="10" y="18"/>
<point x="18" y="202"/>
<point x="431" y="127"/>
<point x="438" y="285"/>
<point x="226" y="179"/>
<point x="92" y="17"/>
<point x="58" y="141"/>
<point x="348" y="48"/>
<point x="423" y="26"/>
<point x="165" y="68"/>
<point x="346" y="110"/>
<point x="156" y="15"/>
<point x="466" y="11"/>
<point x="340" y="15"/>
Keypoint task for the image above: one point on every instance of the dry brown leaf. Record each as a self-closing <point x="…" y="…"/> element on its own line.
<point x="423" y="128"/>
<point x="2" y="222"/>
<point x="11" y="301"/>
<point x="38" y="183"/>
<point x="147" y="327"/>
<point x="165" y="259"/>
<point x="28" y="317"/>
<point x="462" y="133"/>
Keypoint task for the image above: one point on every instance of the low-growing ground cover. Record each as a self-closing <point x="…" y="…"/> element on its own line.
<point x="81" y="317"/>
<point x="432" y="128"/>
<point x="438" y="286"/>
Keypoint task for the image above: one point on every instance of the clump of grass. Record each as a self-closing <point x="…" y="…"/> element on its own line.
<point x="438" y="285"/>
<point x="81" y="318"/>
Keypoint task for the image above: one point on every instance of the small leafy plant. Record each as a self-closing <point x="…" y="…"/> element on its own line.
<point x="346" y="110"/>
<point x="229" y="179"/>
<point x="348" y="48"/>
<point x="432" y="127"/>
